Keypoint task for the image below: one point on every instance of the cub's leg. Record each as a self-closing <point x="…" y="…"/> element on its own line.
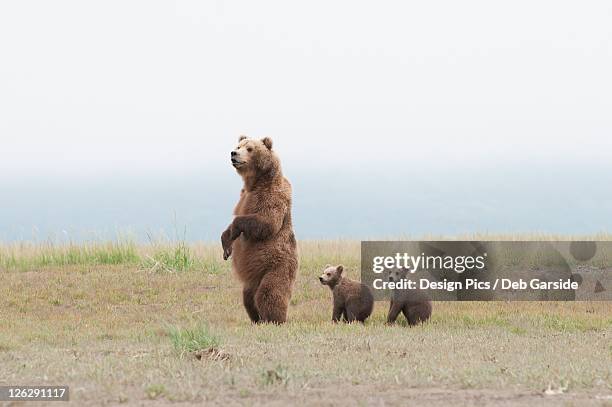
<point x="350" y="314"/>
<point x="417" y="313"/>
<point x="338" y="312"/>
<point x="395" y="308"/>
<point x="344" y="316"/>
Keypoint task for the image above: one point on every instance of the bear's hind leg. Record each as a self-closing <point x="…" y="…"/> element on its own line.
<point x="272" y="298"/>
<point x="417" y="313"/>
<point x="350" y="316"/>
<point x="248" y="299"/>
<point x="352" y="313"/>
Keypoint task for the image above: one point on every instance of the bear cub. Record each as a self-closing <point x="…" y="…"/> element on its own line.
<point x="353" y="301"/>
<point x="415" y="306"/>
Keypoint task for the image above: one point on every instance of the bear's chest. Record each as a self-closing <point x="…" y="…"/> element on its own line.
<point x="247" y="204"/>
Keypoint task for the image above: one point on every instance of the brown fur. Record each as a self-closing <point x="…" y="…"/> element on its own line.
<point x="353" y="301"/>
<point x="414" y="305"/>
<point x="260" y="239"/>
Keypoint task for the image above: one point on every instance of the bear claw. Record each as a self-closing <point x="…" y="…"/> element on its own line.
<point x="227" y="253"/>
<point x="227" y="244"/>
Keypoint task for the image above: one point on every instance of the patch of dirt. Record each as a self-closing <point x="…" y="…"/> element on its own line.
<point x="369" y="394"/>
<point x="396" y="396"/>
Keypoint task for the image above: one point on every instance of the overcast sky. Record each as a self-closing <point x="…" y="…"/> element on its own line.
<point x="121" y="88"/>
<point x="149" y="85"/>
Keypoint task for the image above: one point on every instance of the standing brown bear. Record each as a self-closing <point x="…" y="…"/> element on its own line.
<point x="260" y="239"/>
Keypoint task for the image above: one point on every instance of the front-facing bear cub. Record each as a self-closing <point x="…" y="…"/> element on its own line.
<point x="415" y="305"/>
<point x="352" y="300"/>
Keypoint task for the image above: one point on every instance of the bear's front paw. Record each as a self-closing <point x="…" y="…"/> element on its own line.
<point x="226" y="242"/>
<point x="227" y="253"/>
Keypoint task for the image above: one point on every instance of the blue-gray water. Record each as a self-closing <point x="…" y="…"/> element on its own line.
<point x="366" y="204"/>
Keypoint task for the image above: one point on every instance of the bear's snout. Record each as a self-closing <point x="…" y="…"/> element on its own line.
<point x="321" y="279"/>
<point x="235" y="158"/>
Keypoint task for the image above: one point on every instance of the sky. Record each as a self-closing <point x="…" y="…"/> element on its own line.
<point x="390" y="119"/>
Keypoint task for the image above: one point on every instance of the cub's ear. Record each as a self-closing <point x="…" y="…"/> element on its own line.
<point x="339" y="269"/>
<point x="242" y="137"/>
<point x="267" y="142"/>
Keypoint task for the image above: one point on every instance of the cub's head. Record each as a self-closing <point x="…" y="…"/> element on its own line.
<point x="331" y="275"/>
<point x="397" y="274"/>
<point x="253" y="157"/>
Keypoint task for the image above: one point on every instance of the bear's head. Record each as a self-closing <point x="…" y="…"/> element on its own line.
<point x="397" y="274"/>
<point x="254" y="158"/>
<point x="331" y="275"/>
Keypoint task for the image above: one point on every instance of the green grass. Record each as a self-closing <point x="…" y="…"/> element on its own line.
<point x="28" y="256"/>
<point x="172" y="258"/>
<point x="187" y="340"/>
<point x="169" y="257"/>
<point x="177" y="255"/>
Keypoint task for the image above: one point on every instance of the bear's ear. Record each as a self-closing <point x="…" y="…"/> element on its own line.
<point x="339" y="269"/>
<point x="267" y="142"/>
<point x="242" y="137"/>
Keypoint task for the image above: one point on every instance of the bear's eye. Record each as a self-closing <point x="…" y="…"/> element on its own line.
<point x="329" y="274"/>
<point x="249" y="149"/>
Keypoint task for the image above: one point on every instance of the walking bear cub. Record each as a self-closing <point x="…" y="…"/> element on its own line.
<point x="353" y="301"/>
<point x="415" y="305"/>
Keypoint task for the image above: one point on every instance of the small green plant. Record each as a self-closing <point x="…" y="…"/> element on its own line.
<point x="153" y="391"/>
<point x="170" y="257"/>
<point x="517" y="330"/>
<point x="177" y="258"/>
<point x="187" y="340"/>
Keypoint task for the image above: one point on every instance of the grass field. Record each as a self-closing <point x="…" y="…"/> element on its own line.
<point x="129" y="324"/>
